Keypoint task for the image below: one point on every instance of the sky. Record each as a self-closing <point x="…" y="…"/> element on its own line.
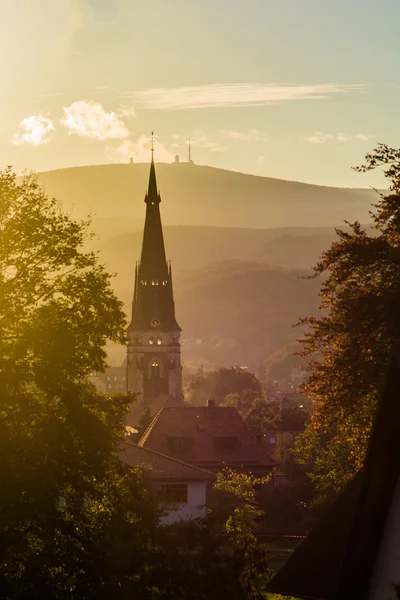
<point x="292" y="89"/>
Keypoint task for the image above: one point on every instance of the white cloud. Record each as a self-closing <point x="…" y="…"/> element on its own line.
<point x="321" y="138"/>
<point x="127" y="112"/>
<point x="89" y="119"/>
<point x="35" y="130"/>
<point x="233" y="94"/>
<point x="362" y="137"/>
<point x="175" y="136"/>
<point x="261" y="161"/>
<point x="246" y="136"/>
<point x="200" y="139"/>
<point x="140" y="151"/>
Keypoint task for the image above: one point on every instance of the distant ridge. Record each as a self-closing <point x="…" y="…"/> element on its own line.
<point x="201" y="195"/>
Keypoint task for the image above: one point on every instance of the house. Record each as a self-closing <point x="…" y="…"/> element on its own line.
<point x="353" y="553"/>
<point x="210" y="437"/>
<point x="111" y="382"/>
<point x="181" y="488"/>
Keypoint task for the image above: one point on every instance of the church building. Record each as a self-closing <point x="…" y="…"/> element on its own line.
<point x="153" y="368"/>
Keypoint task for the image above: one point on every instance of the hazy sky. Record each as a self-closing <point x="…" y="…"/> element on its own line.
<point x="295" y="89"/>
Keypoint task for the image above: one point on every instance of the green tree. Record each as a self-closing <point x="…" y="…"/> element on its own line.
<point x="241" y="530"/>
<point x="74" y="521"/>
<point x="219" y="383"/>
<point x="350" y="344"/>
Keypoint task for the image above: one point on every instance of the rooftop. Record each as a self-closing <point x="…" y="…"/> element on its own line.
<point x="214" y="435"/>
<point x="162" y="467"/>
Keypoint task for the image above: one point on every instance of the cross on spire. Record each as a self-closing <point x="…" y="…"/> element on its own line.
<point x="152" y="146"/>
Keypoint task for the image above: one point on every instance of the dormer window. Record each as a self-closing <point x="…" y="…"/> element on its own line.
<point x="180" y="444"/>
<point x="224" y="443"/>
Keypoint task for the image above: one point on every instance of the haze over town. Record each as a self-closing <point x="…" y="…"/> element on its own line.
<point x="199" y="300"/>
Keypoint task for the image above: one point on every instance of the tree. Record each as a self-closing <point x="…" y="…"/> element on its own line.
<point x="350" y="344"/>
<point x="241" y="530"/>
<point x="74" y="521"/>
<point x="218" y="384"/>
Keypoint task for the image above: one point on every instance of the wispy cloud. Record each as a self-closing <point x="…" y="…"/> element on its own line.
<point x="200" y="139"/>
<point x="140" y="151"/>
<point x="247" y="136"/>
<point x="87" y="118"/>
<point x="233" y="94"/>
<point x="34" y="130"/>
<point x="319" y="137"/>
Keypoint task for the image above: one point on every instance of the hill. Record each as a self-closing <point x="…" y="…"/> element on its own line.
<point x="200" y="195"/>
<point x="190" y="247"/>
<point x="235" y="311"/>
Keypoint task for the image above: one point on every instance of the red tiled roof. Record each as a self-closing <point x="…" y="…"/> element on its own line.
<point x="162" y="467"/>
<point x="202" y="425"/>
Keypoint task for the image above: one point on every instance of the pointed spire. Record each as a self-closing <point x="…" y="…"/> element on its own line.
<point x="152" y="195"/>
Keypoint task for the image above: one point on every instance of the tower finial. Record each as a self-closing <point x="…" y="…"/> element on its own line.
<point x="152" y="146"/>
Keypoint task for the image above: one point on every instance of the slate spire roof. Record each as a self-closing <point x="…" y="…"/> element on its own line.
<point x="153" y="302"/>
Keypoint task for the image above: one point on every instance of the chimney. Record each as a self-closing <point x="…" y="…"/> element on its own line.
<point x="210" y="406"/>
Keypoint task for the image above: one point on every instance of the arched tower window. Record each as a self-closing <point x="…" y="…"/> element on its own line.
<point x="159" y="341"/>
<point x="155" y="369"/>
<point x="151" y="341"/>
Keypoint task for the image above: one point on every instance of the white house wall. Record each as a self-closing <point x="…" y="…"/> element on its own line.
<point x="195" y="507"/>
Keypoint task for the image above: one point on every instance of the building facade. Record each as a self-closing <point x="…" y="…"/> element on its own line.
<point x="153" y="368"/>
<point x="180" y="488"/>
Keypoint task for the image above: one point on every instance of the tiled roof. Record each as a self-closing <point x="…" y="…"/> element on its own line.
<point x="162" y="467"/>
<point x="137" y="409"/>
<point x="202" y="424"/>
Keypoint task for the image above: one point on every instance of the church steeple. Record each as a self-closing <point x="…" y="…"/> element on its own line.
<point x="153" y="301"/>
<point x="153" y="263"/>
<point x="154" y="367"/>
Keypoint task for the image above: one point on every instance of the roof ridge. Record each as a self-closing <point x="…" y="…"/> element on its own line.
<point x="176" y="460"/>
<point x="150" y="427"/>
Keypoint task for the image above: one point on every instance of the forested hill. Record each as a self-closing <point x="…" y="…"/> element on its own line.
<point x="200" y="195"/>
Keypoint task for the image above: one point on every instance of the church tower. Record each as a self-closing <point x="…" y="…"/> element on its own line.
<point x="154" y="354"/>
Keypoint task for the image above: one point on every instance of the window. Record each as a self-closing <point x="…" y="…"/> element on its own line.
<point x="155" y="369"/>
<point x="159" y="341"/>
<point x="180" y="444"/>
<point x="173" y="493"/>
<point x="144" y="282"/>
<point x="224" y="444"/>
<point x="165" y="282"/>
<point x="151" y="341"/>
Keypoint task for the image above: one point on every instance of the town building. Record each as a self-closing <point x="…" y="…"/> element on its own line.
<point x="153" y="367"/>
<point x="210" y="437"/>
<point x="180" y="488"/>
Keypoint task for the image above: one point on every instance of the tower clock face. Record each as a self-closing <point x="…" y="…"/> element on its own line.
<point x="155" y="322"/>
